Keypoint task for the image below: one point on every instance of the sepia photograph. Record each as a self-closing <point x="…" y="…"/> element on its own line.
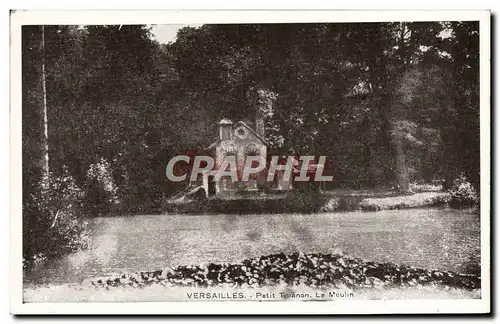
<point x="335" y="162"/>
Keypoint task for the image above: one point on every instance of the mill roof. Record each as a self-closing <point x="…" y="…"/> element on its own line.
<point x="239" y="123"/>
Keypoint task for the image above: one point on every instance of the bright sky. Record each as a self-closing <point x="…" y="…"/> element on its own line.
<point x="167" y="33"/>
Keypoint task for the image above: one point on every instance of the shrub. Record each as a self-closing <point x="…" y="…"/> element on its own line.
<point x="462" y="193"/>
<point x="426" y="187"/>
<point x="101" y="191"/>
<point x="331" y="205"/>
<point x="53" y="222"/>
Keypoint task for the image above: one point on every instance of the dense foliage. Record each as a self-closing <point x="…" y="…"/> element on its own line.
<point x="388" y="103"/>
<point x="462" y="194"/>
<point x="53" y="222"/>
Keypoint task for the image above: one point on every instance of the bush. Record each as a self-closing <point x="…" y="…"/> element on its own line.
<point x="462" y="194"/>
<point x="333" y="204"/>
<point x="101" y="191"/>
<point x="53" y="222"/>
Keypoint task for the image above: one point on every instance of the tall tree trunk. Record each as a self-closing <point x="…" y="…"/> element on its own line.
<point x="400" y="163"/>
<point x="401" y="60"/>
<point x="397" y="143"/>
<point x="45" y="134"/>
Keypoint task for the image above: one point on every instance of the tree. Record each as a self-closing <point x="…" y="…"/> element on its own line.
<point x="462" y="136"/>
<point x="45" y="137"/>
<point x="375" y="97"/>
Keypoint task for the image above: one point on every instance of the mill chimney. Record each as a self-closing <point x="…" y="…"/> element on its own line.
<point x="259" y="124"/>
<point x="225" y="129"/>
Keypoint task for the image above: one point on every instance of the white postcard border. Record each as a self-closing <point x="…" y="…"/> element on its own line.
<point x="77" y="17"/>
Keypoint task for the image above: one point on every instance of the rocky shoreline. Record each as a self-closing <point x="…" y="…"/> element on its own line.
<point x="298" y="269"/>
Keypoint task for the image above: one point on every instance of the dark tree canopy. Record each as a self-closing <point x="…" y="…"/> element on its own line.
<point x="388" y="103"/>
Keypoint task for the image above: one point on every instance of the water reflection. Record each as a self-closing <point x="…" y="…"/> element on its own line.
<point x="429" y="238"/>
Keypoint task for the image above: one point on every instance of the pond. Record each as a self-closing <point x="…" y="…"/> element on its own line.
<point x="429" y="238"/>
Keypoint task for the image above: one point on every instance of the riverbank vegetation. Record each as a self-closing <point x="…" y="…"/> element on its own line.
<point x="300" y="276"/>
<point x="314" y="269"/>
<point x="53" y="221"/>
<point x="106" y="107"/>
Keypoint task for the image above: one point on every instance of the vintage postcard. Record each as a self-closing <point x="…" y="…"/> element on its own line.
<point x="250" y="162"/>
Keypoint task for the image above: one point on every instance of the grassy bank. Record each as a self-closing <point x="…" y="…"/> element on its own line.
<point x="417" y="200"/>
<point x="307" y="199"/>
<point x="303" y="202"/>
